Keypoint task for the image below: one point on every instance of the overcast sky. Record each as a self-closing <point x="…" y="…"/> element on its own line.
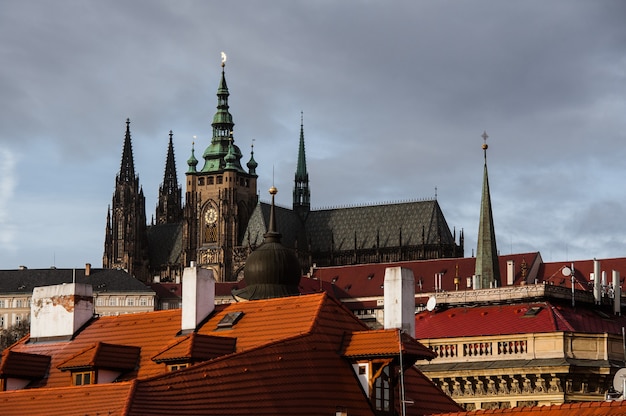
<point x="395" y="95"/>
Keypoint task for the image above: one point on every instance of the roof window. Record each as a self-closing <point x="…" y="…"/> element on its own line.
<point x="533" y="311"/>
<point x="229" y="320"/>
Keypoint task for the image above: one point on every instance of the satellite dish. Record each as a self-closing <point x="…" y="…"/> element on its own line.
<point x="566" y="271"/>
<point x="619" y="380"/>
<point x="432" y="302"/>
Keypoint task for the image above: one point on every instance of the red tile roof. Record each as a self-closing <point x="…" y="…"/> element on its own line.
<point x="196" y="347"/>
<point x="23" y="365"/>
<point x="613" y="408"/>
<point x="553" y="272"/>
<point x="383" y="342"/>
<point x="104" y="355"/>
<point x="364" y="280"/>
<point x="513" y="319"/>
<point x="287" y="360"/>
<point x="98" y="399"/>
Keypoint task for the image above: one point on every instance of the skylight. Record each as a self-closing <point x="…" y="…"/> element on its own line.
<point x="533" y="311"/>
<point x="229" y="320"/>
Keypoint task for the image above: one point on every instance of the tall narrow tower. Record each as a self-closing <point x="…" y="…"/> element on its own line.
<point x="125" y="239"/>
<point x="169" y="209"/>
<point x="487" y="265"/>
<point x="301" y="192"/>
<point x="219" y="198"/>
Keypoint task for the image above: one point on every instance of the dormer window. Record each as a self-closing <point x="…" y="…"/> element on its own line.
<point x="174" y="367"/>
<point x="82" y="378"/>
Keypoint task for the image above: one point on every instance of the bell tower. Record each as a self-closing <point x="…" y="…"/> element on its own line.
<point x="219" y="197"/>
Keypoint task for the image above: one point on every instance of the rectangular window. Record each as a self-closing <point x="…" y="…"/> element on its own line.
<point x="210" y="180"/>
<point x="219" y="180"/>
<point x="99" y="301"/>
<point x="143" y="302"/>
<point x="165" y="306"/>
<point x="130" y="302"/>
<point x="174" y="367"/>
<point x="201" y="181"/>
<point x="83" y="378"/>
<point x="2" y="322"/>
<point x="2" y="303"/>
<point x="18" y="303"/>
<point x="112" y="301"/>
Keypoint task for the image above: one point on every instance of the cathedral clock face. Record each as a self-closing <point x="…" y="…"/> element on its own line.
<point x="210" y="215"/>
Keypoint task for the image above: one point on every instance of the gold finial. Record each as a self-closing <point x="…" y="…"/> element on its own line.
<point x="223" y="59"/>
<point x="273" y="191"/>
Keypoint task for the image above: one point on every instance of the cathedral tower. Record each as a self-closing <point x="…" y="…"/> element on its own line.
<point x="219" y="197"/>
<point x="301" y="192"/>
<point x="169" y="209"/>
<point x="487" y="265"/>
<point x="125" y="243"/>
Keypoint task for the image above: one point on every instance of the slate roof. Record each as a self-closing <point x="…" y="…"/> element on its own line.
<point x="102" y="280"/>
<point x="514" y="319"/>
<point x="287" y="359"/>
<point x="165" y="244"/>
<point x="418" y="222"/>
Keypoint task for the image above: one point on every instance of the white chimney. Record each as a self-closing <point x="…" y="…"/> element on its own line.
<point x="510" y="272"/>
<point x="399" y="298"/>
<point x="60" y="310"/>
<point x="198" y="296"/>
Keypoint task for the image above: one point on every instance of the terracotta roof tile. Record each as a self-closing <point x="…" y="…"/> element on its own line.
<point x="24" y="365"/>
<point x="196" y="347"/>
<point x="513" y="319"/>
<point x="109" y="399"/>
<point x="104" y="355"/>
<point x="383" y="342"/>
<point x="367" y="279"/>
<point x="613" y="408"/>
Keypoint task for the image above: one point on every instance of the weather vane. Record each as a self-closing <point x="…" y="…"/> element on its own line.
<point x="485" y="146"/>
<point x="224" y="57"/>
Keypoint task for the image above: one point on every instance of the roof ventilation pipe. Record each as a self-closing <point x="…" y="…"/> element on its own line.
<point x="597" y="282"/>
<point x="617" y="293"/>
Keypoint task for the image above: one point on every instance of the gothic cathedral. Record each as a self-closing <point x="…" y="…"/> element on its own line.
<point x="222" y="221"/>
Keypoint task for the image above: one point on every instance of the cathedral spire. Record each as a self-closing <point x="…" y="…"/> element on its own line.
<point x="301" y="191"/>
<point x="214" y="155"/>
<point x="169" y="210"/>
<point x="487" y="265"/>
<point x="127" y="168"/>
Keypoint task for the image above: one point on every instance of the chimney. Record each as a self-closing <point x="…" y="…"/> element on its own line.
<point x="59" y="311"/>
<point x="198" y="296"/>
<point x="510" y="272"/>
<point x="399" y="298"/>
<point x="87" y="269"/>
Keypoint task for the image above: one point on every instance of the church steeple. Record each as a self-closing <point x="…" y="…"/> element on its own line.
<point x="301" y="191"/>
<point x="127" y="168"/>
<point x="215" y="154"/>
<point x="169" y="209"/>
<point x="125" y="234"/>
<point x="487" y="265"/>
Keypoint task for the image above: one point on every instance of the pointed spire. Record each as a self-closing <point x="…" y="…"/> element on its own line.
<point x="252" y="165"/>
<point x="214" y="155"/>
<point x="192" y="162"/>
<point x="301" y="191"/>
<point x="127" y="168"/>
<point x="487" y="264"/>
<point x="230" y="158"/>
<point x="272" y="235"/>
<point x="169" y="209"/>
<point x="170" y="181"/>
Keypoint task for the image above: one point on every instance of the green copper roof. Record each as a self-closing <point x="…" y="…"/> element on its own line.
<point x="487" y="265"/>
<point x="215" y="154"/>
<point x="192" y="161"/>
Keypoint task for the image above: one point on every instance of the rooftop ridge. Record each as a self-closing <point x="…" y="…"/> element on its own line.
<point x="364" y="204"/>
